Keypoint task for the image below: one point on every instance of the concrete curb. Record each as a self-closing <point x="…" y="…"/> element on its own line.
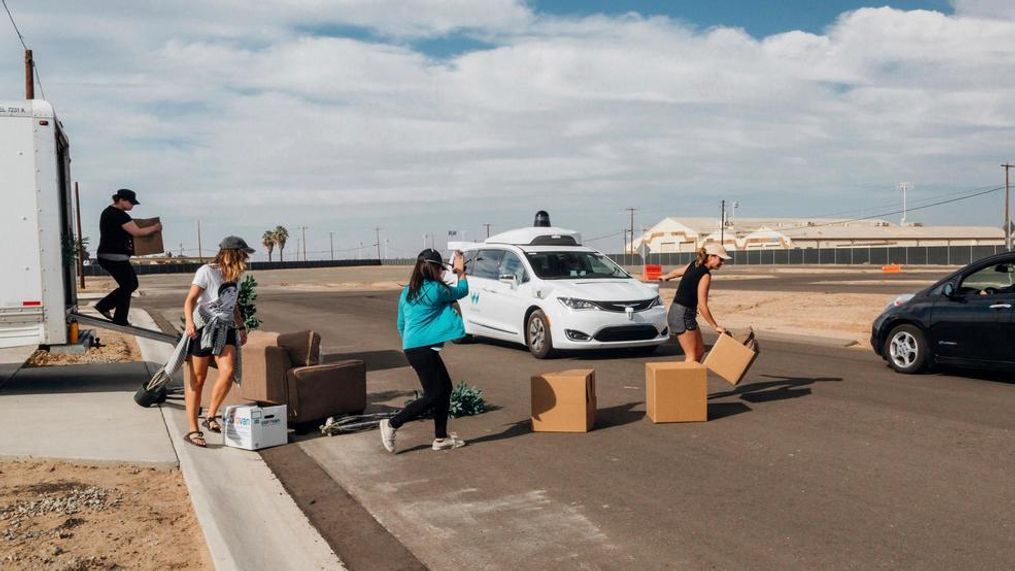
<point x="805" y="339"/>
<point x="248" y="519"/>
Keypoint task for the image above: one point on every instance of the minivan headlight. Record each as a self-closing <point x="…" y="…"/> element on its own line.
<point x="655" y="302"/>
<point x="577" y="304"/>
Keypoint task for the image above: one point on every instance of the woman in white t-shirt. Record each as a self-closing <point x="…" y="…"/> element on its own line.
<point x="217" y="332"/>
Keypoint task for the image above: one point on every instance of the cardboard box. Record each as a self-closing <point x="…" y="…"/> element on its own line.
<point x="564" y="401"/>
<point x="150" y="244"/>
<point x="676" y="391"/>
<point x="253" y="427"/>
<point x="730" y="359"/>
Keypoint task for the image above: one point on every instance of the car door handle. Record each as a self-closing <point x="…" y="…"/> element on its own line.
<point x="1001" y="306"/>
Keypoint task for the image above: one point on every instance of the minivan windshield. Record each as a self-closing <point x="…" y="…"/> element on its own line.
<point x="574" y="265"/>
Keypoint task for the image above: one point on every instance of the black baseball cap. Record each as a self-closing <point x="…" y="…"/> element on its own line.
<point x="431" y="255"/>
<point x="235" y="243"/>
<point x="126" y="194"/>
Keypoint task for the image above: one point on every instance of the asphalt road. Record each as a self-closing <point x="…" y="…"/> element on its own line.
<point x="821" y="458"/>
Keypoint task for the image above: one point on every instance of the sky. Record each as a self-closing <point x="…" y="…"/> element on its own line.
<point x="359" y="118"/>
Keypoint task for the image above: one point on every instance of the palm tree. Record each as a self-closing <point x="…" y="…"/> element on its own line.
<point x="281" y="236"/>
<point x="268" y="241"/>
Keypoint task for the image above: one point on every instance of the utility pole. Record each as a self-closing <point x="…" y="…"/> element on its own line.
<point x="631" y="243"/>
<point x="904" y="187"/>
<point x="387" y="242"/>
<point x="377" y="229"/>
<point x="359" y="253"/>
<point x="1007" y="208"/>
<point x="29" y="75"/>
<point x="200" y="252"/>
<point x="331" y="241"/>
<point x="81" y="239"/>
<point x="487" y="229"/>
<point x="722" y="226"/>
<point x="304" y="230"/>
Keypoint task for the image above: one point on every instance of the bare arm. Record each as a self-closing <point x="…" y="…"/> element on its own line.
<point x="188" y="309"/>
<point x="240" y="324"/>
<point x="134" y="230"/>
<point x="706" y="313"/>
<point x="673" y="274"/>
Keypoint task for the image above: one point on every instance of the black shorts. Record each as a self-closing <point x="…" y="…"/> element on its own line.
<point x="195" y="349"/>
<point x="681" y="319"/>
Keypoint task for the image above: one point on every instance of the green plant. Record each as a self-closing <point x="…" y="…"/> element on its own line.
<point x="246" y="299"/>
<point x="466" y="400"/>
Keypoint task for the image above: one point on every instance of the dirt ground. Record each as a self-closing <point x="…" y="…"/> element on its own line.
<point x="115" y="348"/>
<point x="845" y="316"/>
<point x="56" y="515"/>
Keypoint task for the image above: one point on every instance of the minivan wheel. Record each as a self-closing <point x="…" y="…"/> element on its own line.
<point x="537" y="335"/>
<point x="906" y="349"/>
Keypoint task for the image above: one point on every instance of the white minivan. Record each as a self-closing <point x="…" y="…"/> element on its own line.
<point x="541" y="288"/>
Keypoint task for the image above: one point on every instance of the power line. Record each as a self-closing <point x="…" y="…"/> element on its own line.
<point x="21" y="38"/>
<point x="13" y="23"/>
<point x="884" y="214"/>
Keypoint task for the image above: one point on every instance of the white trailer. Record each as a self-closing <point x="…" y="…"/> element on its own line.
<point x="36" y="238"/>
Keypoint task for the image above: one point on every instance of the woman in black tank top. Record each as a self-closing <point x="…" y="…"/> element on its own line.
<point x="692" y="298"/>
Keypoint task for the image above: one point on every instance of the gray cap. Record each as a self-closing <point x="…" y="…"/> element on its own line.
<point x="235" y="243"/>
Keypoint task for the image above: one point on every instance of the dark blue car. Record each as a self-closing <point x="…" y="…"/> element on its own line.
<point x="965" y="319"/>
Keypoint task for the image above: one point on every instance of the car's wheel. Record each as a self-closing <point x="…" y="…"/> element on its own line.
<point x="906" y="349"/>
<point x="537" y="335"/>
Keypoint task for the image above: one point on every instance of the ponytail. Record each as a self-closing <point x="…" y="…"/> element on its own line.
<point x="702" y="258"/>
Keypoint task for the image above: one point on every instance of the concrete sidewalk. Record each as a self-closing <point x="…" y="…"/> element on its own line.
<point x="83" y="413"/>
<point x="248" y="519"/>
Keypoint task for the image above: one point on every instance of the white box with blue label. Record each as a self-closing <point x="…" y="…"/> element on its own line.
<point x="253" y="427"/>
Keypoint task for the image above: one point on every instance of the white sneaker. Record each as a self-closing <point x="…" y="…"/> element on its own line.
<point x="449" y="443"/>
<point x="387" y="435"/>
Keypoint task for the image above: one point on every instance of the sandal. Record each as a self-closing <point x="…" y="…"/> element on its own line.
<point x="216" y="427"/>
<point x="197" y="440"/>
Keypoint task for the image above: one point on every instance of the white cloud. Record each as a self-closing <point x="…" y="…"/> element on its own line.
<point x="207" y="107"/>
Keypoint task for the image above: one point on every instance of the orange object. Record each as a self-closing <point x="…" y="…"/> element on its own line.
<point x="73" y="332"/>
<point x="652" y="272"/>
<point x="891" y="269"/>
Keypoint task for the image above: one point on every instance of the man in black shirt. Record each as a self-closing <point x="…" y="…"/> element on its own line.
<point x="116" y="244"/>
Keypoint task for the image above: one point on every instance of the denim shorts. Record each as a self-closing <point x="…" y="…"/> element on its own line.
<point x="681" y="319"/>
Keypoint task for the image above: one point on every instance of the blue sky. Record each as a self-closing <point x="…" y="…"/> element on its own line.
<point x="758" y="18"/>
<point x="430" y="115"/>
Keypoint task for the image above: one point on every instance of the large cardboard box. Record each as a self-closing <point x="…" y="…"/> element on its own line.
<point x="676" y="391"/>
<point x="730" y="359"/>
<point x="564" y="401"/>
<point x="150" y="244"/>
<point x="253" y="427"/>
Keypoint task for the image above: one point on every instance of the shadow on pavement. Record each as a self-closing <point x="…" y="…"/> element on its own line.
<point x="993" y="376"/>
<point x="618" y="415"/>
<point x="375" y="360"/>
<point x="781" y="389"/>
<point x="89" y="378"/>
<point x="718" y="410"/>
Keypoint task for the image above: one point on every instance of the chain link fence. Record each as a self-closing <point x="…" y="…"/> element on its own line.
<point x="874" y="256"/>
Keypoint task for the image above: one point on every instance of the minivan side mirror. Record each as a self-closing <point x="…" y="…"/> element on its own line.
<point x="508" y="279"/>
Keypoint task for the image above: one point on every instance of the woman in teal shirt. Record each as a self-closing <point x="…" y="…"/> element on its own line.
<point x="427" y="319"/>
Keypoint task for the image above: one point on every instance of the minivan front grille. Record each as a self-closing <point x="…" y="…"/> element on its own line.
<point x="621" y="306"/>
<point x="627" y="333"/>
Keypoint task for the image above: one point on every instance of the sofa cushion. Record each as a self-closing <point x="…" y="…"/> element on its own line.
<point x="304" y="347"/>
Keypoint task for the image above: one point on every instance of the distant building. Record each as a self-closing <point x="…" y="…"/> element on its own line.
<point x="688" y="234"/>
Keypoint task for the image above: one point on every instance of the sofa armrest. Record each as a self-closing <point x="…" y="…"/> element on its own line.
<point x="319" y="391"/>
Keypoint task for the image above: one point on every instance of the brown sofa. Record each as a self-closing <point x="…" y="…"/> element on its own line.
<point x="286" y="369"/>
